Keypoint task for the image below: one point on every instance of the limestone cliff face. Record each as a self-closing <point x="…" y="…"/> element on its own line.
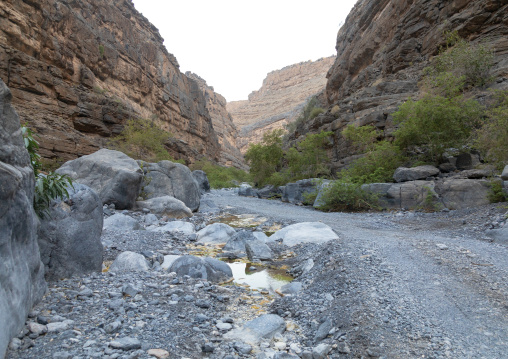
<point x="382" y="49"/>
<point x="222" y="123"/>
<point x="78" y="70"/>
<point x="279" y="101"/>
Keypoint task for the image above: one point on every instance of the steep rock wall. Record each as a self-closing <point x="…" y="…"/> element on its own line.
<point x="222" y="123"/>
<point x="78" y="70"/>
<point x="279" y="100"/>
<point x="382" y="49"/>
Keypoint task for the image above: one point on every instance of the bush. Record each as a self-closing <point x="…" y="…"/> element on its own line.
<point x="219" y="176"/>
<point x="496" y="193"/>
<point x="433" y="124"/>
<point x="143" y="140"/>
<point x="47" y="186"/>
<point x="316" y="111"/>
<point x="309" y="159"/>
<point x="361" y="138"/>
<point x="492" y="138"/>
<point x="377" y="166"/>
<point x="343" y="195"/>
<point x="265" y="158"/>
<point x="309" y="112"/>
<point x="460" y="65"/>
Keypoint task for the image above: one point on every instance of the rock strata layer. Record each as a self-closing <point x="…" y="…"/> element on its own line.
<point x="78" y="70"/>
<point x="382" y="49"/>
<point x="279" y="101"/>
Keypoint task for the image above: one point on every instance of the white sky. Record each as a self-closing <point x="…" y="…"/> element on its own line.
<point x="233" y="44"/>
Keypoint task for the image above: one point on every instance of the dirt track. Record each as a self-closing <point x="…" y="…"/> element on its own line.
<point x="404" y="285"/>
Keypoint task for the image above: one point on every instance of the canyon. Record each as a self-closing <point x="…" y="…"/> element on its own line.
<point x="279" y="101"/>
<point x="382" y="50"/>
<point x="79" y="70"/>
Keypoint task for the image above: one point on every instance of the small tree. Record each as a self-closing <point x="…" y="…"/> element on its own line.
<point x="310" y="158"/>
<point x="265" y="158"/>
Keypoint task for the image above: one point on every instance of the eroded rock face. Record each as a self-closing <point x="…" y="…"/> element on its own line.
<point x="223" y="125"/>
<point x="279" y="101"/>
<point x="79" y="70"/>
<point x="21" y="270"/>
<point x="382" y="49"/>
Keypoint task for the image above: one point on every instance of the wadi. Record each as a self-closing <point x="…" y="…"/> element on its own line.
<point x="354" y="206"/>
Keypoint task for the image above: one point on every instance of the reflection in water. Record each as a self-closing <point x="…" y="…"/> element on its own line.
<point x="258" y="277"/>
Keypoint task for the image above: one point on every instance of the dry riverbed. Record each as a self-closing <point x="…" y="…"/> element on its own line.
<point x="395" y="285"/>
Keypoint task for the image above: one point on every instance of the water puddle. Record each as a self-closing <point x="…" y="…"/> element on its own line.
<point x="257" y="277"/>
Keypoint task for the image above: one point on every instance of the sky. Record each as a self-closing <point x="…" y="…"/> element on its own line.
<point x="233" y="44"/>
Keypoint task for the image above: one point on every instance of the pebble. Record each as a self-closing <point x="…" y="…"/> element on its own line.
<point x="158" y="353"/>
<point x="126" y="343"/>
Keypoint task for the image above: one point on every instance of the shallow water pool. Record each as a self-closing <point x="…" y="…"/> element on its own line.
<point x="258" y="277"/>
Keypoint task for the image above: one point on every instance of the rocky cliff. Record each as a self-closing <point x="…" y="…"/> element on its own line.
<point x="78" y="70"/>
<point x="382" y="49"/>
<point x="279" y="100"/>
<point x="222" y="123"/>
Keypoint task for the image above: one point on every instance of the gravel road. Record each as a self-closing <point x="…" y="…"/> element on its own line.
<point x="404" y="285"/>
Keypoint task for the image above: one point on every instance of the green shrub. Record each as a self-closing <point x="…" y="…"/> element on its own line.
<point x="265" y="158"/>
<point x="463" y="64"/>
<point x="309" y="159"/>
<point x="309" y="112"/>
<point x="492" y="137"/>
<point x="316" y="111"/>
<point x="361" y="138"/>
<point x="496" y="193"/>
<point x="377" y="166"/>
<point x="219" y="176"/>
<point x="47" y="186"/>
<point x="433" y="124"/>
<point x="343" y="195"/>
<point x="143" y="140"/>
<point x="101" y="50"/>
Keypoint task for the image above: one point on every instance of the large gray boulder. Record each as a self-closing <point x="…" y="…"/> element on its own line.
<point x="70" y="237"/>
<point x="404" y="174"/>
<point x="246" y="190"/>
<point x="21" y="270"/>
<point x="121" y="222"/>
<point x="295" y="193"/>
<point x="463" y="193"/>
<point x="264" y="327"/>
<point x="408" y="195"/>
<point x="202" y="180"/>
<point x="258" y="250"/>
<point x="113" y="175"/>
<point x="305" y="232"/>
<point x="216" y="233"/>
<point x="166" y="206"/>
<point x="504" y="175"/>
<point x="269" y="191"/>
<point x="235" y="246"/>
<point x="167" y="178"/>
<point x="130" y="262"/>
<point x="207" y="268"/>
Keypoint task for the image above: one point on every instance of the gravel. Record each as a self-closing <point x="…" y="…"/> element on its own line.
<point x="394" y="285"/>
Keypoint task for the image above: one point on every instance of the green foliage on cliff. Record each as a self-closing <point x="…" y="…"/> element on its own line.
<point x="143" y="140"/>
<point x="310" y="111"/>
<point x="48" y="186"/>
<point x="265" y="158"/>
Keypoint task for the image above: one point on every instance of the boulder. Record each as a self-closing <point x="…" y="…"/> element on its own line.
<point x="202" y="180"/>
<point x="210" y="269"/>
<point x="269" y="191"/>
<point x="291" y="288"/>
<point x="113" y="175"/>
<point x="21" y="271"/>
<point x="264" y="327"/>
<point x="167" y="178"/>
<point x="467" y="161"/>
<point x="235" y="246"/>
<point x="408" y="195"/>
<point x="216" y="233"/>
<point x="404" y="174"/>
<point x="306" y="232"/>
<point x="295" y="192"/>
<point x="166" y="206"/>
<point x="321" y="189"/>
<point x="70" y="236"/>
<point x="129" y="262"/>
<point x="499" y="235"/>
<point x="168" y="261"/>
<point x="186" y="228"/>
<point x="262" y="237"/>
<point x="504" y="175"/>
<point x="121" y="222"/>
<point x="463" y="193"/>
<point x="246" y="190"/>
<point x="257" y="250"/>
